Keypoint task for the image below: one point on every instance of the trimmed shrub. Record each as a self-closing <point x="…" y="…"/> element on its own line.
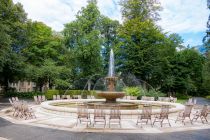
<point x="208" y="97"/>
<point x="25" y="95"/>
<point x="49" y="94"/>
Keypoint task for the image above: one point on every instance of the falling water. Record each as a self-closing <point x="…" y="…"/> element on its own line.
<point x="111" y="64"/>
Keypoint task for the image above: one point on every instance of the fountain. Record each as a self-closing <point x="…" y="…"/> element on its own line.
<point x="111" y="94"/>
<point x="110" y="88"/>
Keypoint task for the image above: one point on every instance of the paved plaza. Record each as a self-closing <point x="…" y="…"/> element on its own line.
<point x="48" y="125"/>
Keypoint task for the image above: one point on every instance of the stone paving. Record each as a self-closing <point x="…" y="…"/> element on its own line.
<point x="63" y="126"/>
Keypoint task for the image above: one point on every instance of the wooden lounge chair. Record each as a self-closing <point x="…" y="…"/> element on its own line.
<point x="27" y="112"/>
<point x="201" y="114"/>
<point x="36" y="100"/>
<point x="83" y="114"/>
<point x="185" y="114"/>
<point x="145" y="115"/>
<point x="43" y="98"/>
<point x="54" y="97"/>
<point x="58" y="97"/>
<point x="68" y="96"/>
<point x="39" y="98"/>
<point x="99" y="115"/>
<point x="163" y="115"/>
<point x="115" y="115"/>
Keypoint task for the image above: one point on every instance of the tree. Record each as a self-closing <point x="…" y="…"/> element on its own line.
<point x="206" y="39"/>
<point x="12" y="40"/>
<point x="82" y="37"/>
<point x="109" y="38"/>
<point x="45" y="55"/>
<point x="187" y="69"/>
<point x="141" y="9"/>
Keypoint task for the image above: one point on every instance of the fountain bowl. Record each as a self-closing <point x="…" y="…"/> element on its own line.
<point x="110" y="96"/>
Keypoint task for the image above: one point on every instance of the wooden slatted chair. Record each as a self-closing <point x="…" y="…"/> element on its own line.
<point x="99" y="115"/>
<point x="115" y="115"/>
<point x="83" y="114"/>
<point x="163" y="115"/>
<point x="54" y="97"/>
<point x="39" y="98"/>
<point x="58" y="97"/>
<point x="201" y="114"/>
<point x="185" y="114"/>
<point x="68" y="97"/>
<point x="43" y="98"/>
<point x="36" y="100"/>
<point x="145" y="115"/>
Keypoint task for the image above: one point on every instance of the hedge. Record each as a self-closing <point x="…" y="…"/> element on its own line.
<point x="25" y="95"/>
<point x="49" y="94"/>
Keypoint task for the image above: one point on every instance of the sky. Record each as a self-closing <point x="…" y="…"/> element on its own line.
<point x="186" y="17"/>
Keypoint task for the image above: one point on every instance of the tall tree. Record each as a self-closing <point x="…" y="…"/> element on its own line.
<point x="141" y="9"/>
<point x="13" y="35"/>
<point x="82" y="37"/>
<point x="206" y="39"/>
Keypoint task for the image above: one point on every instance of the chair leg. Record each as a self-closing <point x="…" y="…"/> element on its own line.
<point x="169" y="122"/>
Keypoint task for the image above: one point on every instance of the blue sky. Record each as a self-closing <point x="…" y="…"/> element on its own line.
<point x="185" y="17"/>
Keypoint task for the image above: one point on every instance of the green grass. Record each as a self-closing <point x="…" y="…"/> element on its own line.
<point x="182" y="101"/>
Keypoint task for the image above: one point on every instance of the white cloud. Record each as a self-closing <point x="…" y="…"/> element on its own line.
<point x="184" y="16"/>
<point x="179" y="16"/>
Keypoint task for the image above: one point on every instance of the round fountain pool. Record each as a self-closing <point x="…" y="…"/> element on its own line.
<point x="127" y="107"/>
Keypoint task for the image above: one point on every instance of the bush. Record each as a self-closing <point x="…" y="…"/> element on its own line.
<point x="49" y="94"/>
<point x="208" y="97"/>
<point x="132" y="91"/>
<point x="154" y="93"/>
<point x="25" y="95"/>
<point x="182" y="96"/>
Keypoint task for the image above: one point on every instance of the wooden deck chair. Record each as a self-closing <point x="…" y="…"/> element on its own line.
<point x="201" y="114"/>
<point x="99" y="115"/>
<point x="115" y="115"/>
<point x="43" y="98"/>
<point x="16" y="99"/>
<point x="28" y="112"/>
<point x="54" y="97"/>
<point x="63" y="96"/>
<point x="83" y="114"/>
<point x="39" y="98"/>
<point x="145" y="115"/>
<point x="68" y="96"/>
<point x="185" y="114"/>
<point x="79" y="97"/>
<point x="12" y="104"/>
<point x="89" y="97"/>
<point x="36" y="100"/>
<point x="58" y="97"/>
<point x="13" y="99"/>
<point x="163" y="115"/>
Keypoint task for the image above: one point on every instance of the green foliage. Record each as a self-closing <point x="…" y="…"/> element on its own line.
<point x="49" y="94"/>
<point x="208" y="97"/>
<point x="182" y="96"/>
<point x="139" y="91"/>
<point x="154" y="93"/>
<point x="24" y="95"/>
<point x="12" y="40"/>
<point x="133" y="91"/>
<point x="141" y="9"/>
<point x="82" y="37"/>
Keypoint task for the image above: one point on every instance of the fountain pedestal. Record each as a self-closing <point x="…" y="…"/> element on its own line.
<point x="111" y="95"/>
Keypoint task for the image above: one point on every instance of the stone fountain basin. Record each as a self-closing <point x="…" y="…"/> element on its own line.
<point x="50" y="106"/>
<point x="110" y="95"/>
